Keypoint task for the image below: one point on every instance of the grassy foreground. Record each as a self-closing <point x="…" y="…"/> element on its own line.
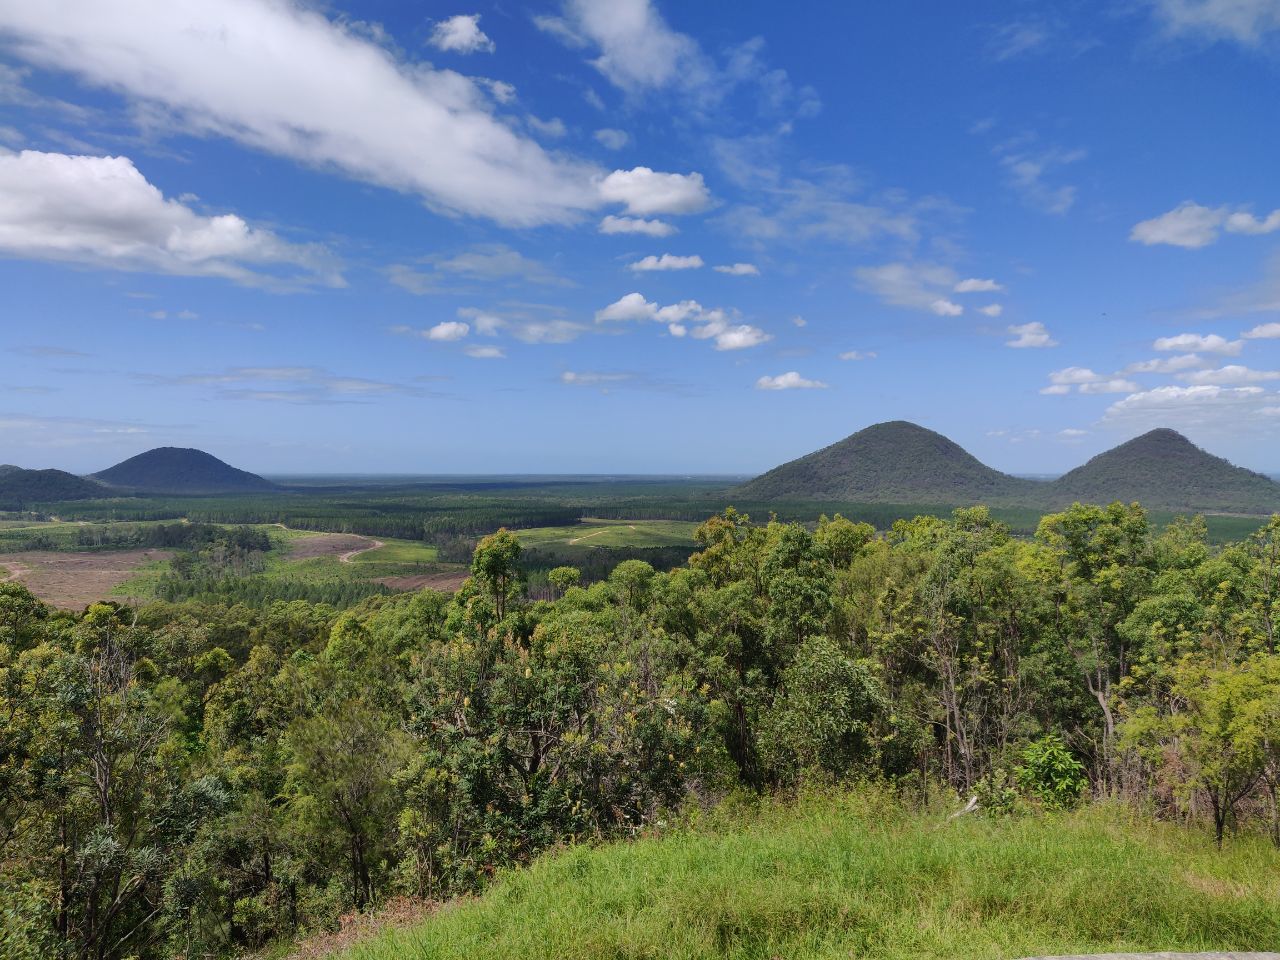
<point x="854" y="877"/>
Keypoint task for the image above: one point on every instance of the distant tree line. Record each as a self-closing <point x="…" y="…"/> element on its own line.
<point x="210" y="777"/>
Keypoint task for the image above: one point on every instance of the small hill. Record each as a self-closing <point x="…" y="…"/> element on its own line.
<point x="1163" y="470"/>
<point x="840" y="878"/>
<point x="19" y="487"/>
<point x="895" y="462"/>
<point x="181" y="470"/>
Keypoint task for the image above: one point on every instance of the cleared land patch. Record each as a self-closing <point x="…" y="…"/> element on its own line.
<point x="593" y="532"/>
<point x="75" y="580"/>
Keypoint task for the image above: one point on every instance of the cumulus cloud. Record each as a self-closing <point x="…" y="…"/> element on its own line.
<point x="1178" y="364"/>
<point x="461" y="34"/>
<point x="639" y="52"/>
<point x="1203" y="343"/>
<point x="101" y="211"/>
<point x="280" y="77"/>
<point x="1190" y="225"/>
<point x="648" y="228"/>
<point x="1029" y="335"/>
<point x="666" y="262"/>
<point x="687" y="317"/>
<point x="1232" y="373"/>
<point x="1228" y="409"/>
<point x="918" y="286"/>
<point x="976" y="285"/>
<point x="790" y="380"/>
<point x="991" y="310"/>
<point x="447" y="331"/>
<point x="645" y="192"/>
<point x="1085" y="380"/>
<point x="1264" y="331"/>
<point x="738" y="269"/>
<point x="612" y="139"/>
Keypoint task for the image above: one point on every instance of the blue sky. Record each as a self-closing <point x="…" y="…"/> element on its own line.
<point x="626" y="236"/>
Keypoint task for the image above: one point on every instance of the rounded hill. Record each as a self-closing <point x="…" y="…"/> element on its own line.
<point x="1163" y="470"/>
<point x="19" y="487"/>
<point x="181" y="470"/>
<point x="894" y="462"/>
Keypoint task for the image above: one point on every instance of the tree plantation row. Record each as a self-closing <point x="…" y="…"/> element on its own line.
<point x="203" y="778"/>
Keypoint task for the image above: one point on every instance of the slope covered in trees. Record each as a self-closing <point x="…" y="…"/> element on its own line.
<point x="269" y="769"/>
<point x="1165" y="471"/>
<point x="180" y="470"/>
<point x="19" y="487"/>
<point x="895" y="462"/>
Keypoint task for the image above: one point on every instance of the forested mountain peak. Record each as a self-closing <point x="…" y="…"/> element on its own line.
<point x="1165" y="470"/>
<point x="180" y="470"/>
<point x="892" y="462"/>
<point x="20" y="487"/>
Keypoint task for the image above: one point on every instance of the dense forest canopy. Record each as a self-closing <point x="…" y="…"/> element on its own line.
<point x="199" y="778"/>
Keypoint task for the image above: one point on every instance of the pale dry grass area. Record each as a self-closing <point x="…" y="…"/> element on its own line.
<point x="72" y="581"/>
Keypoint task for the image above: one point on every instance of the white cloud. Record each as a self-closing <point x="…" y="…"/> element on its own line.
<point x="1187" y="225"/>
<point x="1246" y="22"/>
<point x="553" y="128"/>
<point x="799" y="321"/>
<point x="1204" y="343"/>
<point x="612" y="139"/>
<point x="644" y="192"/>
<point x="789" y="381"/>
<point x="633" y="306"/>
<point x="1028" y="174"/>
<point x="737" y="337"/>
<point x="1231" y="374"/>
<point x="282" y="78"/>
<point x="858" y="355"/>
<point x="1114" y="385"/>
<point x="1185" y="361"/>
<point x="1242" y="222"/>
<point x="102" y="211"/>
<point x="918" y="286"/>
<point x="1085" y="381"/>
<point x="666" y="262"/>
<point x="976" y="285"/>
<point x="484" y="352"/>
<point x="686" y="317"/>
<point x="992" y="310"/>
<point x="1191" y="225"/>
<point x="738" y="269"/>
<point x="1072" y="433"/>
<point x="461" y="34"/>
<point x="486" y="261"/>
<point x="1264" y="331"/>
<point x="447" y="331"/>
<point x="1225" y="409"/>
<point x="648" y="228"/>
<point x="638" y="51"/>
<point x="1030" y="335"/>
<point x="591" y="379"/>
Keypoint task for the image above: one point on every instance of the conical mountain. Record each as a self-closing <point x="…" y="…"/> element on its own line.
<point x="20" y="487"/>
<point x="895" y="462"/>
<point x="180" y="470"/>
<point x="1163" y="470"/>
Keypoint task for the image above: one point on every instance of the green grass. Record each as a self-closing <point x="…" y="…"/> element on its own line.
<point x="856" y="877"/>
<point x="397" y="552"/>
<point x="612" y="533"/>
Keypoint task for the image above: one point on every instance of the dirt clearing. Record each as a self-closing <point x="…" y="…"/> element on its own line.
<point x="445" y="582"/>
<point x="340" y="545"/>
<point x="75" y="580"/>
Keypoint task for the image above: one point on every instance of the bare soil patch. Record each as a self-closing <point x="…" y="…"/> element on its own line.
<point x="446" y="582"/>
<point x="341" y="545"/>
<point x="75" y="580"/>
